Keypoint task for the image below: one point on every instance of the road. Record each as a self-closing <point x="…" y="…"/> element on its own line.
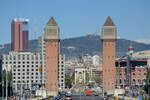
<point x="78" y="97"/>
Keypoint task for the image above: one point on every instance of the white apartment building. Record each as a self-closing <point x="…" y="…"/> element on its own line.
<point x="61" y="71"/>
<point x="24" y="67"/>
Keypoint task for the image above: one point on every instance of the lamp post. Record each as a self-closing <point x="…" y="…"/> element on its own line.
<point x="6" y="84"/>
<point x="8" y="68"/>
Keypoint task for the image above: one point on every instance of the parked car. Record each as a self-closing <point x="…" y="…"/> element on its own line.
<point x="68" y="98"/>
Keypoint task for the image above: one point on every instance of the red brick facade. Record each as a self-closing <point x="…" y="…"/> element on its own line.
<point x="51" y="68"/>
<point x="109" y="69"/>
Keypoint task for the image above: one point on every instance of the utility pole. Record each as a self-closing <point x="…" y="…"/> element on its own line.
<point x="6" y="84"/>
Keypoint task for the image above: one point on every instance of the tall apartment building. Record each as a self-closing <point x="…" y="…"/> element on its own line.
<point x="24" y="67"/>
<point x="19" y="35"/>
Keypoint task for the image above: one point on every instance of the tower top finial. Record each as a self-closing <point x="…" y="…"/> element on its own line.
<point x="51" y="22"/>
<point x="109" y="22"/>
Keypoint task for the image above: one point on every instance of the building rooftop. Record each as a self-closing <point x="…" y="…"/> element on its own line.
<point x="20" y="20"/>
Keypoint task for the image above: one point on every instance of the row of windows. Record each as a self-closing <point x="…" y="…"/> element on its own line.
<point x="134" y="81"/>
<point x="24" y="81"/>
<point x="22" y="62"/>
<point x="26" y="77"/>
<point x="61" y="76"/>
<point x="26" y="70"/>
<point x="134" y="74"/>
<point x="28" y="57"/>
<point x="108" y="43"/>
<point x="26" y="73"/>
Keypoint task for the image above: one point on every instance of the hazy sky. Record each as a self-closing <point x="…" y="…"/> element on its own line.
<point x="78" y="17"/>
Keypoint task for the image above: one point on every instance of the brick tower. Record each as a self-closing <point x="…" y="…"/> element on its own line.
<point x="108" y="38"/>
<point x="51" y="37"/>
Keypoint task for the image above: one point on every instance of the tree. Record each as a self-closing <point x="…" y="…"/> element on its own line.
<point x="69" y="80"/>
<point x="9" y="76"/>
<point x="147" y="85"/>
<point x="97" y="79"/>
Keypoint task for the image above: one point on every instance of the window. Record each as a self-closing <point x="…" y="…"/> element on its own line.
<point x="139" y="70"/>
<point x="134" y="81"/>
<point x="139" y="81"/>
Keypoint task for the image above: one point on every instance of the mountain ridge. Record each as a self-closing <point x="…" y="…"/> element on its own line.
<point x="79" y="46"/>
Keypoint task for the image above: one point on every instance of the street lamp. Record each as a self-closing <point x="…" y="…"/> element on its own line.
<point x="7" y="68"/>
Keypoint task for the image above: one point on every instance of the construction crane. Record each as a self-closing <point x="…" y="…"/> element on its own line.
<point x="35" y="30"/>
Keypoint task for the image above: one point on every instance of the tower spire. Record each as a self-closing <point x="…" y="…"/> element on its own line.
<point x="109" y="22"/>
<point x="52" y="22"/>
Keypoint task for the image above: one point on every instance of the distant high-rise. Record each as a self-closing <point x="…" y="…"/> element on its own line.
<point x="19" y="35"/>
